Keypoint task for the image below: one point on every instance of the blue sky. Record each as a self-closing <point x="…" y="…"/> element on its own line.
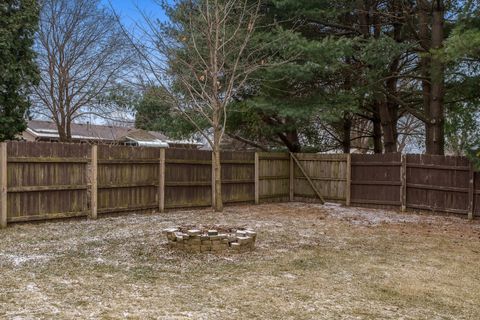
<point x="129" y="9"/>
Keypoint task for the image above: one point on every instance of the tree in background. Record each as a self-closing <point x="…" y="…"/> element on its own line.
<point x="366" y="76"/>
<point x="200" y="60"/>
<point x="347" y="69"/>
<point x="374" y="61"/>
<point x="18" y="23"/>
<point x="153" y="112"/>
<point x="461" y="55"/>
<point x="82" y="52"/>
<point x="285" y="102"/>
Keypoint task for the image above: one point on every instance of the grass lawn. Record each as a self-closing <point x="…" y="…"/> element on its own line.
<point x="311" y="262"/>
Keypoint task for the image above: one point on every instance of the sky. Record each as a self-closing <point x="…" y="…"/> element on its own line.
<point x="130" y="10"/>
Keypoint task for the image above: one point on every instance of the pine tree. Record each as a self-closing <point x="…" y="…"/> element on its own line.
<point x="18" y="23"/>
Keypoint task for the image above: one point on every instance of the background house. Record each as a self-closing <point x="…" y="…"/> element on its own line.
<point x="38" y="130"/>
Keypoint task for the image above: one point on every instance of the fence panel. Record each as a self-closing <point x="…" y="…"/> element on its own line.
<point x="327" y="171"/>
<point x="274" y="176"/>
<point x="438" y="183"/>
<point x="238" y="176"/>
<point x="188" y="178"/>
<point x="53" y="180"/>
<point x="128" y="178"/>
<point x="46" y="180"/>
<point x="376" y="180"/>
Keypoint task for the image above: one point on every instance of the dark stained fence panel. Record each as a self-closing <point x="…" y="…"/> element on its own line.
<point x="376" y="180"/>
<point x="438" y="183"/>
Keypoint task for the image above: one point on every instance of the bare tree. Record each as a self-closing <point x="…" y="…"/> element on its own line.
<point x="202" y="58"/>
<point x="81" y="53"/>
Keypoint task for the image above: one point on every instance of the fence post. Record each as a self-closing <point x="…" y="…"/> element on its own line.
<point x="257" y="180"/>
<point x="471" y="191"/>
<point x="348" y="187"/>
<point x="292" y="179"/>
<point x="213" y="180"/>
<point x="93" y="182"/>
<point x="403" y="180"/>
<point x="161" y="182"/>
<point x="3" y="185"/>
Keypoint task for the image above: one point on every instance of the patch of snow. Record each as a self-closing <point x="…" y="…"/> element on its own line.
<point x="19" y="260"/>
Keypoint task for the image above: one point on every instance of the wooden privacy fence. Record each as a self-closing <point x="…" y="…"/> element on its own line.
<point x="56" y="180"/>
<point x="41" y="181"/>
<point x="424" y="182"/>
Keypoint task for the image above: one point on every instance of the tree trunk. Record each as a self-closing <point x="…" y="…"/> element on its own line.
<point x="68" y="129"/>
<point x="61" y="129"/>
<point x="377" y="130"/>
<point x="217" y="168"/>
<point x="389" y="126"/>
<point x="346" y="136"/>
<point x="389" y="109"/>
<point x="424" y="37"/>
<point x="435" y="143"/>
<point x="290" y="139"/>
<point x="216" y="165"/>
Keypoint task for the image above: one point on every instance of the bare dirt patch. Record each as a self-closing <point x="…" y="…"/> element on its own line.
<point x="311" y="262"/>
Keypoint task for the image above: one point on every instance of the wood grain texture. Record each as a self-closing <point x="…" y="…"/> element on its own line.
<point x="3" y="185"/>
<point x="329" y="174"/>
<point x="127" y="178"/>
<point x="93" y="181"/>
<point x="307" y="177"/>
<point x="161" y="182"/>
<point x="376" y="180"/>
<point x="438" y="183"/>
<point x="42" y="181"/>
<point x="53" y="186"/>
<point x="273" y="176"/>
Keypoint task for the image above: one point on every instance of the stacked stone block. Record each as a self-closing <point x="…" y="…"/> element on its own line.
<point x="195" y="240"/>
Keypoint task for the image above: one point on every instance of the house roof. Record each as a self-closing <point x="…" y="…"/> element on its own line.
<point x="47" y="129"/>
<point x="79" y="131"/>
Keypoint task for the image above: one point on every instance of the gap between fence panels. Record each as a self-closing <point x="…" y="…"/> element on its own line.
<point x="47" y="181"/>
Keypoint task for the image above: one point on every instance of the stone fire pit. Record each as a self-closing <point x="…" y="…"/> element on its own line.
<point x="210" y="239"/>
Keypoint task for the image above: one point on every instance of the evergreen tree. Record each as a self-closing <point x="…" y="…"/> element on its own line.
<point x="153" y="112"/>
<point x="18" y="23"/>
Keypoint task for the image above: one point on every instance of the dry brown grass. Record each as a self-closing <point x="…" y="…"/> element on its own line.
<point x="311" y="262"/>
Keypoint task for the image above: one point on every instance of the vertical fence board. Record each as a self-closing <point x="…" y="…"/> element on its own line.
<point x="161" y="182"/>
<point x="471" y="192"/>
<point x="93" y="180"/>
<point x="3" y="185"/>
<point x="403" y="186"/>
<point x="257" y="178"/>
<point x="292" y="179"/>
<point x="348" y="187"/>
